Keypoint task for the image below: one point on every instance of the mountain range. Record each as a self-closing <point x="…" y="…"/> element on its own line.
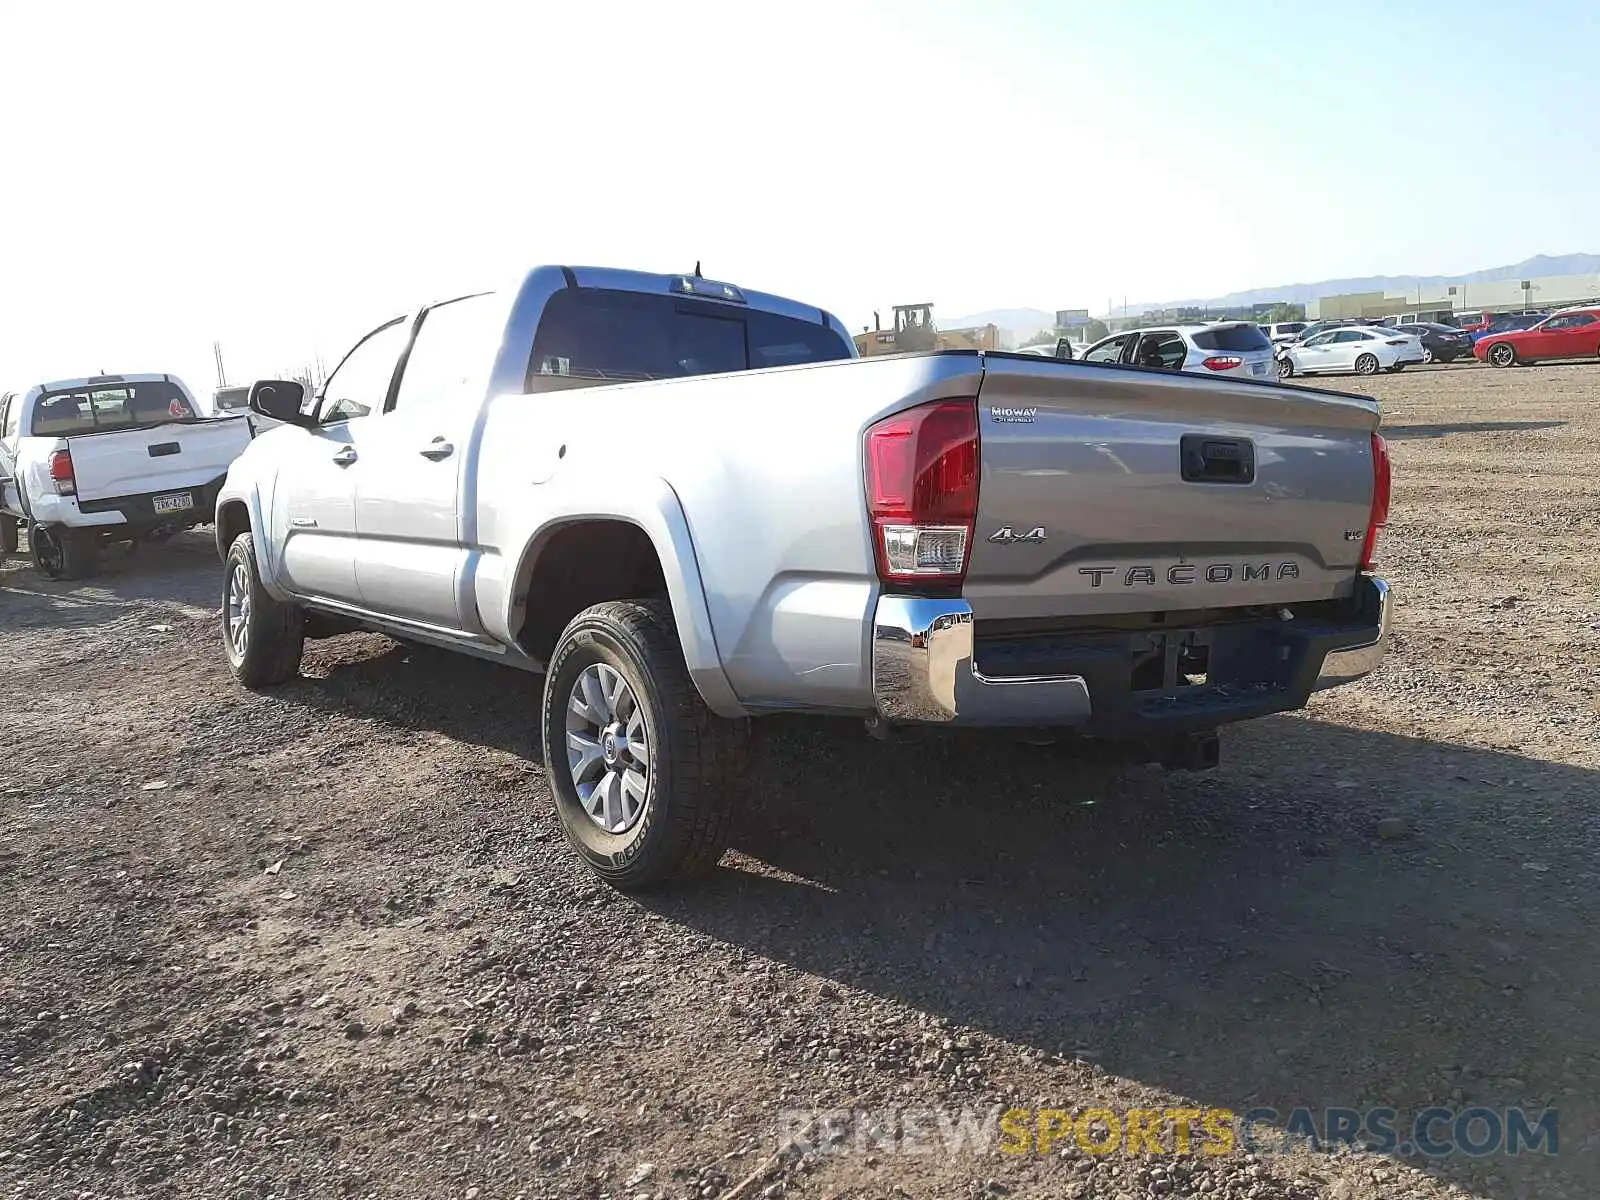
<point x="1023" y="322"/>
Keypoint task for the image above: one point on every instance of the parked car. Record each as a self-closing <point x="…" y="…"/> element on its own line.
<point x="737" y="517"/>
<point x="1507" y="323"/>
<point x="112" y="458"/>
<point x="1361" y="349"/>
<point x="1316" y="327"/>
<point x="1061" y="348"/>
<point x="1281" y="333"/>
<point x="1221" y="348"/>
<point x="1571" y="333"/>
<point x="1440" y="343"/>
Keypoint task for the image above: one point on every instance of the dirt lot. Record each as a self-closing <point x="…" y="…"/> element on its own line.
<point x="329" y="942"/>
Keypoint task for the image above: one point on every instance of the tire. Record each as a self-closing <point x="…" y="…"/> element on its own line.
<point x="1397" y="368"/>
<point x="1285" y="368"/>
<point x="8" y="534"/>
<point x="1428" y="356"/>
<point x="263" y="637"/>
<point x="664" y="816"/>
<point x="1367" y="364"/>
<point x="62" y="553"/>
<point x="1502" y="354"/>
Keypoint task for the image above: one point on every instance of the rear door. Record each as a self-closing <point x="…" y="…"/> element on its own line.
<point x="410" y="551"/>
<point x="1148" y="492"/>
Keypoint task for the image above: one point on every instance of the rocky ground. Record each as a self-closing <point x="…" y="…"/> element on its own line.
<point x="329" y="941"/>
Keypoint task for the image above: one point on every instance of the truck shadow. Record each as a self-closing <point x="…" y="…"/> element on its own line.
<point x="1244" y="938"/>
<point x="1398" y="432"/>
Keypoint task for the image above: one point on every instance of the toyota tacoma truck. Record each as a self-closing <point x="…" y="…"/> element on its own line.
<point x="689" y="505"/>
<point x="109" y="458"/>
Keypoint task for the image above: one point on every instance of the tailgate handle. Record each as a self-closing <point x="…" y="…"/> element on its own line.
<point x="1207" y="459"/>
<point x="162" y="449"/>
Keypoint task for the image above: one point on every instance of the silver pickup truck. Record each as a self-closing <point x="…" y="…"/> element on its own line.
<point x="689" y="505"/>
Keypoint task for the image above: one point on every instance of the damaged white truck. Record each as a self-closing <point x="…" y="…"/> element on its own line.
<point x="689" y="505"/>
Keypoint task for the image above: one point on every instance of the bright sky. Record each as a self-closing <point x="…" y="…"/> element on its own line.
<point x="281" y="177"/>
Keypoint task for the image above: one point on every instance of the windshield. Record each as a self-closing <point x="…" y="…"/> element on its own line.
<point x="109" y="406"/>
<point x="597" y="334"/>
<point x="1232" y="338"/>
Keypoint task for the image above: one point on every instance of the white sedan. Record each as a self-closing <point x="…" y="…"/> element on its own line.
<point x="1362" y="349"/>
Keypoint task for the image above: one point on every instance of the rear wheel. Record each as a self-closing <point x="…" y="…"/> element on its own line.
<point x="62" y="553"/>
<point x="263" y="636"/>
<point x="644" y="775"/>
<point x="8" y="534"/>
<point x="1367" y="364"/>
<point x="1502" y="354"/>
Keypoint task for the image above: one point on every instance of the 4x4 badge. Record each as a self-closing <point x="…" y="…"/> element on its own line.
<point x="1007" y="536"/>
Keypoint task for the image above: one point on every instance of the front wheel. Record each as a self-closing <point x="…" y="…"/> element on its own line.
<point x="1502" y="355"/>
<point x="1367" y="364"/>
<point x="62" y="553"/>
<point x="1285" y="368"/>
<point x="263" y="637"/>
<point x="644" y="775"/>
<point x="1427" y="355"/>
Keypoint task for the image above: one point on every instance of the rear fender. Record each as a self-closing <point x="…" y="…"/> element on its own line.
<point x="652" y="505"/>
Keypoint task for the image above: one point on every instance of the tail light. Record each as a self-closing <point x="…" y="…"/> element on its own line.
<point x="1222" y="362"/>
<point x="1378" y="519"/>
<point x="61" y="473"/>
<point x="922" y="491"/>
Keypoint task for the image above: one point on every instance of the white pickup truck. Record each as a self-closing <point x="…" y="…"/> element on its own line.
<point x="690" y="505"/>
<point x="110" y="458"/>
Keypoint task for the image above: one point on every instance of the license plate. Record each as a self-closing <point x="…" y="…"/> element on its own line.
<point x="173" y="502"/>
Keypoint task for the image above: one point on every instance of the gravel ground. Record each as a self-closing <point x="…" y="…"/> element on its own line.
<point x="329" y="941"/>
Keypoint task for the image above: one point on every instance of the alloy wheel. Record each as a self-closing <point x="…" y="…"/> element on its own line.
<point x="239" y="609"/>
<point x="608" y="748"/>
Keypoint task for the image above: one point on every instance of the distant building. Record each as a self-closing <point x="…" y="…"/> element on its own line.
<point x="1445" y="302"/>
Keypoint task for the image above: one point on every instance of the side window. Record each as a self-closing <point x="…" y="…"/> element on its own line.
<point x="1583" y="319"/>
<point x="360" y="384"/>
<point x="1164" y="350"/>
<point x="452" y="355"/>
<point x="1558" y="323"/>
<point x="1321" y="339"/>
<point x="1108" y="351"/>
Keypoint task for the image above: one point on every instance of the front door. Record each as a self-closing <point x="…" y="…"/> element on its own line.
<point x="314" y="504"/>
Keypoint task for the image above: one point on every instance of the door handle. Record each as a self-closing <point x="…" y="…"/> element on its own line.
<point x="437" y="449"/>
<point x="346" y="456"/>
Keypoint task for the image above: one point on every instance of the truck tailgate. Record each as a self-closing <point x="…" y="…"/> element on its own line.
<point x="157" y="458"/>
<point x="1106" y="490"/>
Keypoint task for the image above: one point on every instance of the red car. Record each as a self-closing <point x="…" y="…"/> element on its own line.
<point x="1574" y="333"/>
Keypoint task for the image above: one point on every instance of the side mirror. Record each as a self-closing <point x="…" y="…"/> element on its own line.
<point x="279" y="399"/>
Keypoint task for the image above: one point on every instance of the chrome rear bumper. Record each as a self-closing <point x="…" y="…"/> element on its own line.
<point x="924" y="670"/>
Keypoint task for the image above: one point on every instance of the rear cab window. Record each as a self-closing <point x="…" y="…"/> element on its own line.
<point x="98" y="408"/>
<point x="1232" y="339"/>
<point x="600" y="335"/>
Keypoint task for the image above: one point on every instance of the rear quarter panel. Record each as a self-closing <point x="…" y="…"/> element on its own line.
<point x="766" y="468"/>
